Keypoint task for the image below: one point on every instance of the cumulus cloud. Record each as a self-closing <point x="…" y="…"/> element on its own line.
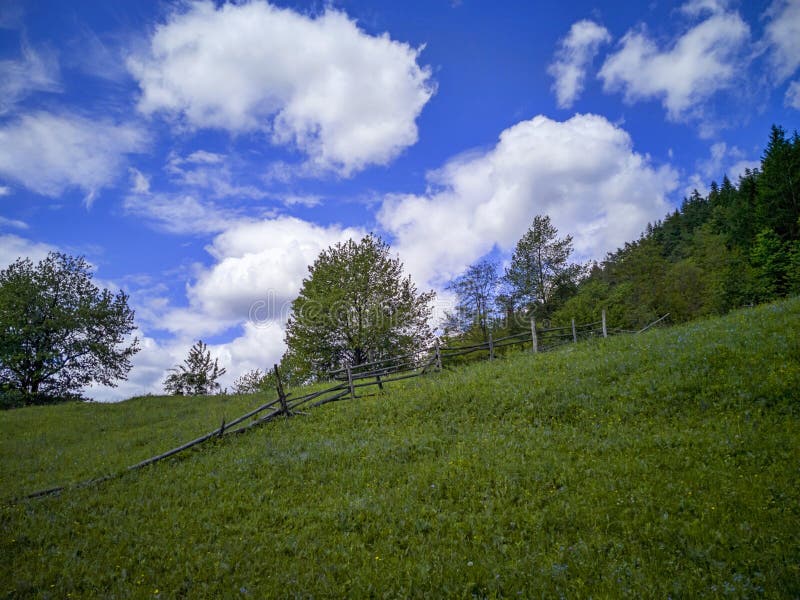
<point x="260" y="267"/>
<point x="704" y="60"/>
<point x="48" y="153"/>
<point x="782" y="35"/>
<point x="575" y="53"/>
<point x="35" y="71"/>
<point x="582" y="172"/>
<point x="320" y="84"/>
<point x="13" y="247"/>
<point x="257" y="348"/>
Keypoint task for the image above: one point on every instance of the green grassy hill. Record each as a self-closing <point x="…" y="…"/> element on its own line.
<point x="665" y="464"/>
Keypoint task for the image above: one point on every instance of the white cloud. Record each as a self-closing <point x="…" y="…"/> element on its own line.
<point x="782" y="34"/>
<point x="260" y="267"/>
<point x="307" y="200"/>
<point x="345" y="98"/>
<point x="141" y="184"/>
<point x="793" y="95"/>
<point x="703" y="61"/>
<point x="13" y="247"/>
<point x="33" y="72"/>
<point x="15" y="223"/>
<point x="48" y="153"/>
<point x="181" y="213"/>
<point x="575" y="53"/>
<point x="582" y="172"/>
<point x="210" y="172"/>
<point x="256" y="348"/>
<point x="195" y="211"/>
<point x="694" y="8"/>
<point x="5" y="190"/>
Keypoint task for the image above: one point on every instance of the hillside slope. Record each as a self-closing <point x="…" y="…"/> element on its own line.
<point x="641" y="466"/>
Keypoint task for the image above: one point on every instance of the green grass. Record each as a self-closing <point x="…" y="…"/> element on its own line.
<point x="665" y="464"/>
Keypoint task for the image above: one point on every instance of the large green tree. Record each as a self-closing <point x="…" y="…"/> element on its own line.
<point x="541" y="275"/>
<point x="356" y="304"/>
<point x="59" y="332"/>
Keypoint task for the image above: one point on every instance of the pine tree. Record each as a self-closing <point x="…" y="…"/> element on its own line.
<point x="540" y="274"/>
<point x="779" y="185"/>
<point x="197" y="376"/>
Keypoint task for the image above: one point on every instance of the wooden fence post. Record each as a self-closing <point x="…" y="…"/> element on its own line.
<point x="533" y="336"/>
<point x="438" y="357"/>
<point x="350" y="382"/>
<point x="574" y="332"/>
<point x="279" y="387"/>
<point x="605" y="331"/>
<point x="491" y="347"/>
<point x="377" y="375"/>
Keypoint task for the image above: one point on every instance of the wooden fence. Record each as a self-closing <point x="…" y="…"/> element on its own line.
<point x="375" y="373"/>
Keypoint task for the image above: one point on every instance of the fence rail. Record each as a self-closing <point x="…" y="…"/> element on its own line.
<point x="369" y="374"/>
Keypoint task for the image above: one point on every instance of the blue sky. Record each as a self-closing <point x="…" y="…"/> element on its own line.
<point x="201" y="155"/>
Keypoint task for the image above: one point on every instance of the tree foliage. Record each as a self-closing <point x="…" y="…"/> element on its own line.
<point x="476" y="289"/>
<point x="250" y="382"/>
<point x="256" y="381"/>
<point x="737" y="246"/>
<point x="197" y="375"/>
<point x="355" y="305"/>
<point x="59" y="332"/>
<point x="541" y="275"/>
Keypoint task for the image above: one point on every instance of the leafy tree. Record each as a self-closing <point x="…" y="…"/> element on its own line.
<point x="251" y="382"/>
<point x="477" y="291"/>
<point x="59" y="332"/>
<point x="256" y="381"/>
<point x="197" y="375"/>
<point x="540" y="273"/>
<point x="355" y="305"/>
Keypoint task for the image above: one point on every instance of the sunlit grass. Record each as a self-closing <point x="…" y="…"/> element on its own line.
<point x="657" y="465"/>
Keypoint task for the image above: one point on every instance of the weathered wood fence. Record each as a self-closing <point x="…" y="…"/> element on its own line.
<point x="375" y="373"/>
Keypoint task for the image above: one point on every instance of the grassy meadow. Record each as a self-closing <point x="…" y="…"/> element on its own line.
<point x="663" y="464"/>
